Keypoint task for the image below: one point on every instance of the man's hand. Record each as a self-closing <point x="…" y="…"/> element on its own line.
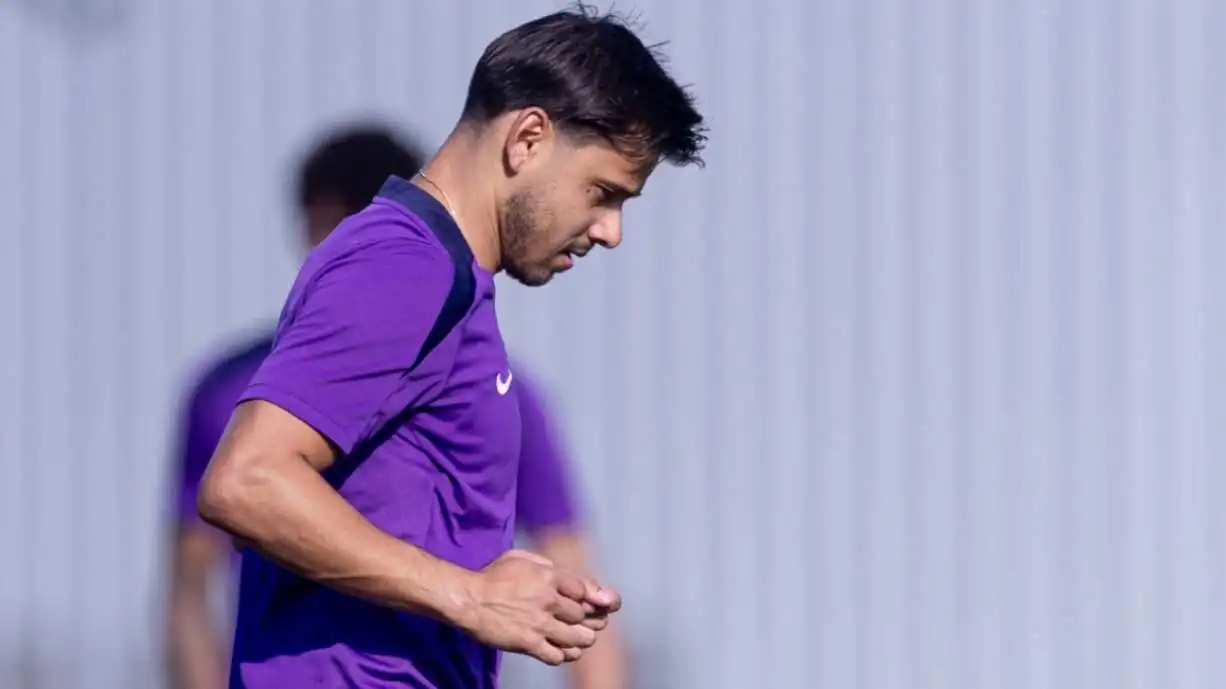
<point x="606" y="665"/>
<point x="523" y="604"/>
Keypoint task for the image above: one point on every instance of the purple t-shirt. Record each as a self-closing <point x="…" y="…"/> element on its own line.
<point x="429" y="454"/>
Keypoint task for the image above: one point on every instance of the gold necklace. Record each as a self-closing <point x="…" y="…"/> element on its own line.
<point x="446" y="199"/>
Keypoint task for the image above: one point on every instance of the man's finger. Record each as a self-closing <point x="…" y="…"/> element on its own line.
<point x="572" y="654"/>
<point x="548" y="653"/>
<point x="601" y="597"/>
<point x="570" y="585"/>
<point x="596" y="624"/>
<point x="595" y="610"/>
<point x="569" y="611"/>
<point x="565" y="635"/>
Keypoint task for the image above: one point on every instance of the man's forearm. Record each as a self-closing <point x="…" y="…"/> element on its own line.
<point x="284" y="509"/>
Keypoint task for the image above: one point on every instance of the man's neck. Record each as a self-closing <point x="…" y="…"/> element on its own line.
<point x="452" y="177"/>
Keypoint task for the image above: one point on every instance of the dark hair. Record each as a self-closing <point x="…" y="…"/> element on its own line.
<point x="353" y="163"/>
<point x="593" y="76"/>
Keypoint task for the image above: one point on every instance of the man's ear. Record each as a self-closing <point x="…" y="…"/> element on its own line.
<point x="529" y="138"/>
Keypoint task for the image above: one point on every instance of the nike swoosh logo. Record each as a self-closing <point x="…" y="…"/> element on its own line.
<point x="504" y="385"/>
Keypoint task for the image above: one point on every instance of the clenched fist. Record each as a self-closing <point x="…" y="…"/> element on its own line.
<point x="523" y="604"/>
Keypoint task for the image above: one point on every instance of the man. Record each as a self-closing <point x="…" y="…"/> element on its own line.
<point x="339" y="178"/>
<point x="371" y="464"/>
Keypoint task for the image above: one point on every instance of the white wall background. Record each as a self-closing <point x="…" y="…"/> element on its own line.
<point x="917" y="385"/>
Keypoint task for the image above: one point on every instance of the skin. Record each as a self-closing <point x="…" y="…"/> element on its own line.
<point x="529" y="199"/>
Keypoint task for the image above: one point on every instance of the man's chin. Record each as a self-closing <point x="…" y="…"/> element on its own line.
<point x="530" y="278"/>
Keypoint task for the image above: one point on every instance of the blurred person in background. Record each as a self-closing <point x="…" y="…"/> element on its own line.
<point x="339" y="178"/>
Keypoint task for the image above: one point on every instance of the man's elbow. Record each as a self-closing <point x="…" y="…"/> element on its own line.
<point x="232" y="490"/>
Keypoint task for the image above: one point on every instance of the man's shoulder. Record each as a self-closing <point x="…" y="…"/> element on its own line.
<point x="382" y="231"/>
<point x="382" y="252"/>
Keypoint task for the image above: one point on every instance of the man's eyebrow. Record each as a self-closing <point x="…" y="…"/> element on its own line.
<point x="620" y="190"/>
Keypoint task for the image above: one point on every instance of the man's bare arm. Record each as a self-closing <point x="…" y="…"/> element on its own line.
<point x="264" y="487"/>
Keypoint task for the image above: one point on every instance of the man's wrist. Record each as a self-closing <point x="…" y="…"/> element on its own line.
<point x="446" y="593"/>
<point x="461" y="607"/>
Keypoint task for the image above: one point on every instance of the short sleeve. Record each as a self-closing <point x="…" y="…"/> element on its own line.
<point x="201" y="423"/>
<point x="545" y="497"/>
<point x="347" y="339"/>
